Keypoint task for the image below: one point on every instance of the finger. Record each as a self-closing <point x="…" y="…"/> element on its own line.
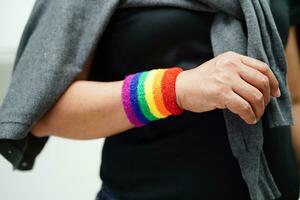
<point x="265" y="69"/>
<point x="256" y="79"/>
<point x="252" y="95"/>
<point x="240" y="106"/>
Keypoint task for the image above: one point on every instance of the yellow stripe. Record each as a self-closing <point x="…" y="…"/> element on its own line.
<point x="149" y="93"/>
<point x="158" y="98"/>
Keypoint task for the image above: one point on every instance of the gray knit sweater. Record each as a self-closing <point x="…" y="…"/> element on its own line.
<point x="60" y="35"/>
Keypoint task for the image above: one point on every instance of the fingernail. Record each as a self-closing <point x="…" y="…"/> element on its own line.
<point x="278" y="93"/>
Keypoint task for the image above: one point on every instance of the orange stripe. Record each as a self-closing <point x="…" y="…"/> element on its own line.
<point x="158" y="94"/>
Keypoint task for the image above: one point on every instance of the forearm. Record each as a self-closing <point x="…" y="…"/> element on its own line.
<point x="293" y="55"/>
<point x="87" y="110"/>
<point x="90" y="110"/>
<point x="293" y="73"/>
<point x="296" y="131"/>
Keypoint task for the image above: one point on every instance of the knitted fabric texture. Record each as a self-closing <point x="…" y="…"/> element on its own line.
<point x="126" y="99"/>
<point x="169" y="92"/>
<point x="61" y="34"/>
<point x="158" y="93"/>
<point x="134" y="99"/>
<point x="141" y="97"/>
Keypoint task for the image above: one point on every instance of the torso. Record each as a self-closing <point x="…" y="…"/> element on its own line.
<point x="186" y="156"/>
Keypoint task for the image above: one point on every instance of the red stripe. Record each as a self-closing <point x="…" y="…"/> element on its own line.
<point x="168" y="90"/>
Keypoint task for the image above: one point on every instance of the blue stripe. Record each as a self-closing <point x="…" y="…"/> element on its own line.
<point x="134" y="98"/>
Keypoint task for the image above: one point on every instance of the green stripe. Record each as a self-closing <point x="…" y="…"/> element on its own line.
<point x="141" y="97"/>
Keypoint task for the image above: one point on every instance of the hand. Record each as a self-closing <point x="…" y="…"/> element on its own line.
<point x="240" y="83"/>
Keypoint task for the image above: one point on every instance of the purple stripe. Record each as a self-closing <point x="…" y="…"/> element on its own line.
<point x="127" y="103"/>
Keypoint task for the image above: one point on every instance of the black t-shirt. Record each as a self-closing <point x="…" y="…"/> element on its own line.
<point x="186" y="156"/>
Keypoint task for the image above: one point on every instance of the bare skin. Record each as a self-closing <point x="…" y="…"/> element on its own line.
<point x="86" y="110"/>
<point x="240" y="83"/>
<point x="89" y="110"/>
<point x="293" y="58"/>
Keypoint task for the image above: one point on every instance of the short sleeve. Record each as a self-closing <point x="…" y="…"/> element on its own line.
<point x="22" y="153"/>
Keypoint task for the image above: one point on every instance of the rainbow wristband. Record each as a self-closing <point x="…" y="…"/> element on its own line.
<point x="150" y="95"/>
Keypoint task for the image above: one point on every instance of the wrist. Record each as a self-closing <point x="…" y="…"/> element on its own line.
<point x="179" y="89"/>
<point x="150" y="95"/>
<point x="169" y="90"/>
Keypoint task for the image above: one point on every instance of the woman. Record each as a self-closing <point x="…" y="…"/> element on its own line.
<point x="186" y="156"/>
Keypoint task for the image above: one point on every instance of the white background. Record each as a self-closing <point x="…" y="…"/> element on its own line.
<point x="65" y="169"/>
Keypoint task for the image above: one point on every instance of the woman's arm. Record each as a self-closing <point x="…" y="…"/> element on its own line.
<point x="293" y="57"/>
<point x="90" y="109"/>
<point x="87" y="110"/>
